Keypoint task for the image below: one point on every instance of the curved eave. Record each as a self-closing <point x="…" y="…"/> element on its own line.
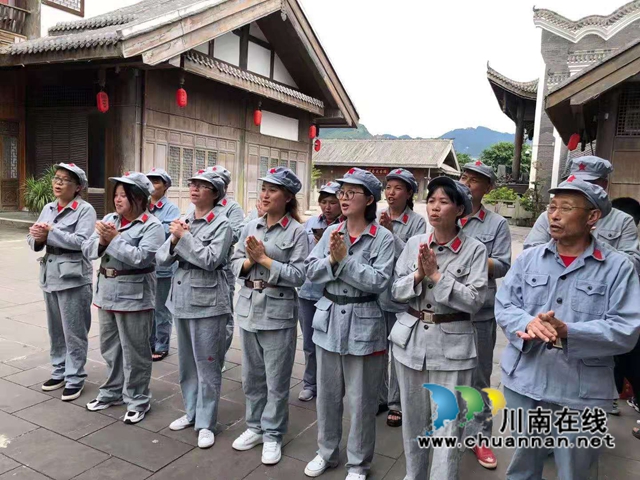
<point x="525" y="90"/>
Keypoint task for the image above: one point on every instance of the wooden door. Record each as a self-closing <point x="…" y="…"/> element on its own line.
<point x="625" y="180"/>
<point x="9" y="165"/>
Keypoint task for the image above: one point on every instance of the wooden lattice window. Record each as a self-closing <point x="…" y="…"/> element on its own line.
<point x="212" y="158"/>
<point x="183" y="162"/>
<point x="293" y="165"/>
<point x="72" y="6"/>
<point x="173" y="163"/>
<point x="273" y="163"/>
<point x="629" y="112"/>
<point x="264" y="166"/>
<point x="201" y="156"/>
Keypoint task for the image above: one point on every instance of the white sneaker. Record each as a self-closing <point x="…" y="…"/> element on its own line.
<point x="206" y="438"/>
<point x="271" y="453"/>
<point x="356" y="476"/>
<point x="180" y="424"/>
<point x="316" y="467"/>
<point x="306" y="395"/>
<point x="136" y="416"/>
<point x="247" y="441"/>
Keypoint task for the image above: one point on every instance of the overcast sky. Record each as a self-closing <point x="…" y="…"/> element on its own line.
<point x="418" y="67"/>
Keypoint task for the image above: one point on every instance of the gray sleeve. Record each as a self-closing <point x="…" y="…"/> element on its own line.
<point x="208" y="257"/>
<point x="172" y="214"/>
<point x="164" y="256"/>
<point x="144" y="253"/>
<point x="236" y="221"/>
<point x="36" y="247"/>
<point x="240" y="254"/>
<point x="501" y="252"/>
<point x="403" y="288"/>
<point x="84" y="228"/>
<point x="318" y="264"/>
<point x="628" y="243"/>
<point x="539" y="234"/>
<point x="291" y="273"/>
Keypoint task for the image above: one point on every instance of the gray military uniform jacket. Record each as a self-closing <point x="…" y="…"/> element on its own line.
<point x="616" y="230"/>
<point x="493" y="231"/>
<point x="273" y="308"/>
<point x="134" y="248"/>
<point x="462" y="288"/>
<point x="201" y="290"/>
<point x="72" y="226"/>
<point x="407" y="225"/>
<point x="357" y="328"/>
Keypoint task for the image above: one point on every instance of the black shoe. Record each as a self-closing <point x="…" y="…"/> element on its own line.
<point x="69" y="394"/>
<point x="96" y="405"/>
<point x="53" y="384"/>
<point x="382" y="408"/>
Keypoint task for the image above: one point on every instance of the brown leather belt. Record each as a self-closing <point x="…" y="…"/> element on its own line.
<point x="190" y="266"/>
<point x="258" y="285"/>
<point x="344" y="300"/>
<point x="430" y="317"/>
<point x="60" y="251"/>
<point x="113" y="273"/>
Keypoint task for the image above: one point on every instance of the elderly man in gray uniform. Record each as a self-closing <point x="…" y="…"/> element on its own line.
<point x="573" y="294"/>
<point x="616" y="230"/>
<point x="65" y="277"/>
<point x="493" y="231"/>
<point x="400" y="219"/>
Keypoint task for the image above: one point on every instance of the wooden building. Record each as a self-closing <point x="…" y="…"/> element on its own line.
<point x="232" y="57"/>
<point x="426" y="159"/>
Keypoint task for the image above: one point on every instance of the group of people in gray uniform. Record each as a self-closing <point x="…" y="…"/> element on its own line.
<point x="387" y="301"/>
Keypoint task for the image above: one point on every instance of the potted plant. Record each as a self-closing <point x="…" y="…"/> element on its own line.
<point x="37" y="192"/>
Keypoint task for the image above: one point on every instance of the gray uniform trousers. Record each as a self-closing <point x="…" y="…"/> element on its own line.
<point x="416" y="420"/>
<point x="267" y="363"/>
<point x="357" y="377"/>
<point x="389" y="392"/>
<point x="201" y="343"/>
<point x="486" y="342"/>
<point x="124" y="344"/>
<point x="162" y="318"/>
<point x="69" y="321"/>
<point x="306" y="311"/>
<point x="231" y="279"/>
<point x="528" y="463"/>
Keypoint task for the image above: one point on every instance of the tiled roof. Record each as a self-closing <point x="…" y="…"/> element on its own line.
<point x="429" y="153"/>
<point x="92" y="39"/>
<point x="522" y="89"/>
<point x="603" y="25"/>
<point x="225" y="68"/>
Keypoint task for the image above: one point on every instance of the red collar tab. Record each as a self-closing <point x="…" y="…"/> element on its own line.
<point x="478" y="163"/>
<point x="430" y="241"/>
<point x="74" y="205"/>
<point x="159" y="204"/>
<point x="405" y="218"/>
<point x="224" y="202"/>
<point x="284" y="222"/>
<point x="482" y="214"/>
<point x="144" y="218"/>
<point x="463" y="221"/>
<point x="455" y="244"/>
<point x="571" y="178"/>
<point x="209" y="218"/>
<point x="582" y="166"/>
<point x="372" y="230"/>
<point x="597" y="254"/>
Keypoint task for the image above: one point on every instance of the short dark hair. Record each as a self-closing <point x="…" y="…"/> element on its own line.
<point x="628" y="205"/>
<point x="324" y="195"/>
<point x="137" y="198"/>
<point x="450" y="191"/>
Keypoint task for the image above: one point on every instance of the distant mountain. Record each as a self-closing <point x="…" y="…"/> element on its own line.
<point x="473" y="141"/>
<point x="465" y="140"/>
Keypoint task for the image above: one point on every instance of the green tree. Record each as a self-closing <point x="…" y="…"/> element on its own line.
<point x="502" y="154"/>
<point x="463" y="158"/>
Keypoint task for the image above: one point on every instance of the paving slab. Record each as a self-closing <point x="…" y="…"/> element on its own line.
<point x="53" y="455"/>
<point x="15" y="397"/>
<point x="7" y="464"/>
<point x="12" y="353"/>
<point x="136" y="445"/>
<point x="33" y="376"/>
<point x="22" y="473"/>
<point x="65" y="418"/>
<point x="115" y="469"/>
<point x="6" y="370"/>
<point x="12" y="427"/>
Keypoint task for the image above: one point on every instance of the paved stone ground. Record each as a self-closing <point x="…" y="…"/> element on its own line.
<point x="41" y="437"/>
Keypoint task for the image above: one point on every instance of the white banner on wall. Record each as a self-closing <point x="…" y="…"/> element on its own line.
<point x="279" y="126"/>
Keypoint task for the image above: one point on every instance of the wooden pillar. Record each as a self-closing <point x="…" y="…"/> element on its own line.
<point x="32" y="24"/>
<point x="517" y="154"/>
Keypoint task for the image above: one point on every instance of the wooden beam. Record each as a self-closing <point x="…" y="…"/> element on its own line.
<point x="588" y="79"/>
<point x="517" y="155"/>
<point x="65" y="56"/>
<point x="607" y="83"/>
<point x="205" y="34"/>
<point x="214" y="74"/>
<point x="136" y="45"/>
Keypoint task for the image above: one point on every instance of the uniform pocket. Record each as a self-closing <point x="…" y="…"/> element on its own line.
<point x="402" y="329"/>
<point x="204" y="288"/>
<point x="367" y="323"/>
<point x="510" y="359"/>
<point x="243" y="305"/>
<point x="596" y="378"/>
<point x="458" y="340"/>
<point x="323" y="313"/>
<point x="130" y="287"/>
<point x="588" y="297"/>
<point x="612" y="237"/>
<point x="536" y="289"/>
<point x="281" y="303"/>
<point x="458" y="271"/>
<point x="70" y="269"/>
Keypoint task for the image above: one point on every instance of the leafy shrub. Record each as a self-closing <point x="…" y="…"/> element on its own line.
<point x="38" y="192"/>
<point x="500" y="194"/>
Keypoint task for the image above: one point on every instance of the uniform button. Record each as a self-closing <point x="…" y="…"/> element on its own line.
<point x="589" y="287"/>
<point x="426" y="327"/>
<point x="440" y="249"/>
<point x="179" y="282"/>
<point x="282" y="294"/>
<point x="562" y="277"/>
<point x="533" y="280"/>
<point x="609" y="235"/>
<point x="261" y="273"/>
<point x="55" y="221"/>
<point x="430" y="286"/>
<point x="343" y="312"/>
<point x="428" y="305"/>
<point x="458" y="270"/>
<point x="106" y="258"/>
<point x="350" y="253"/>
<point x="344" y="291"/>
<point x="50" y="260"/>
<point x="559" y="300"/>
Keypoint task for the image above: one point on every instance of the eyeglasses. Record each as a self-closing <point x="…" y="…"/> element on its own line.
<point x="198" y="186"/>
<point x="564" y="210"/>
<point x="348" y="195"/>
<point x="61" y="181"/>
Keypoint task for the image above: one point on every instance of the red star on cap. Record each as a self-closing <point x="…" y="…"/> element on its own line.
<point x="478" y="163"/>
<point x="153" y="169"/>
<point x="571" y="178"/>
<point x="72" y="164"/>
<point x="127" y="174"/>
<point x="398" y="172"/>
<point x="200" y="172"/>
<point x="273" y="170"/>
<point x="582" y="166"/>
<point x="351" y="171"/>
<point x="215" y="169"/>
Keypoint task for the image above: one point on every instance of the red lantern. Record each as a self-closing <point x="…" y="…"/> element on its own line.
<point x="574" y="140"/>
<point x="317" y="145"/>
<point x="313" y="132"/>
<point x="257" y="117"/>
<point x="181" y="97"/>
<point x="102" y="102"/>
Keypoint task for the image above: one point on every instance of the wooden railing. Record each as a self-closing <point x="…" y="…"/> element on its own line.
<point x="12" y="19"/>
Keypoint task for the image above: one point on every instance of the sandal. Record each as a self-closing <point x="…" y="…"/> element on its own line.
<point x="394" y="422"/>
<point x="158" y="356"/>
<point x="636" y="432"/>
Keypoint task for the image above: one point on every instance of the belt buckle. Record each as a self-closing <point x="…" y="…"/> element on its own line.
<point x="427" y="317"/>
<point x="110" y="273"/>
<point x="557" y="344"/>
<point x="258" y="285"/>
